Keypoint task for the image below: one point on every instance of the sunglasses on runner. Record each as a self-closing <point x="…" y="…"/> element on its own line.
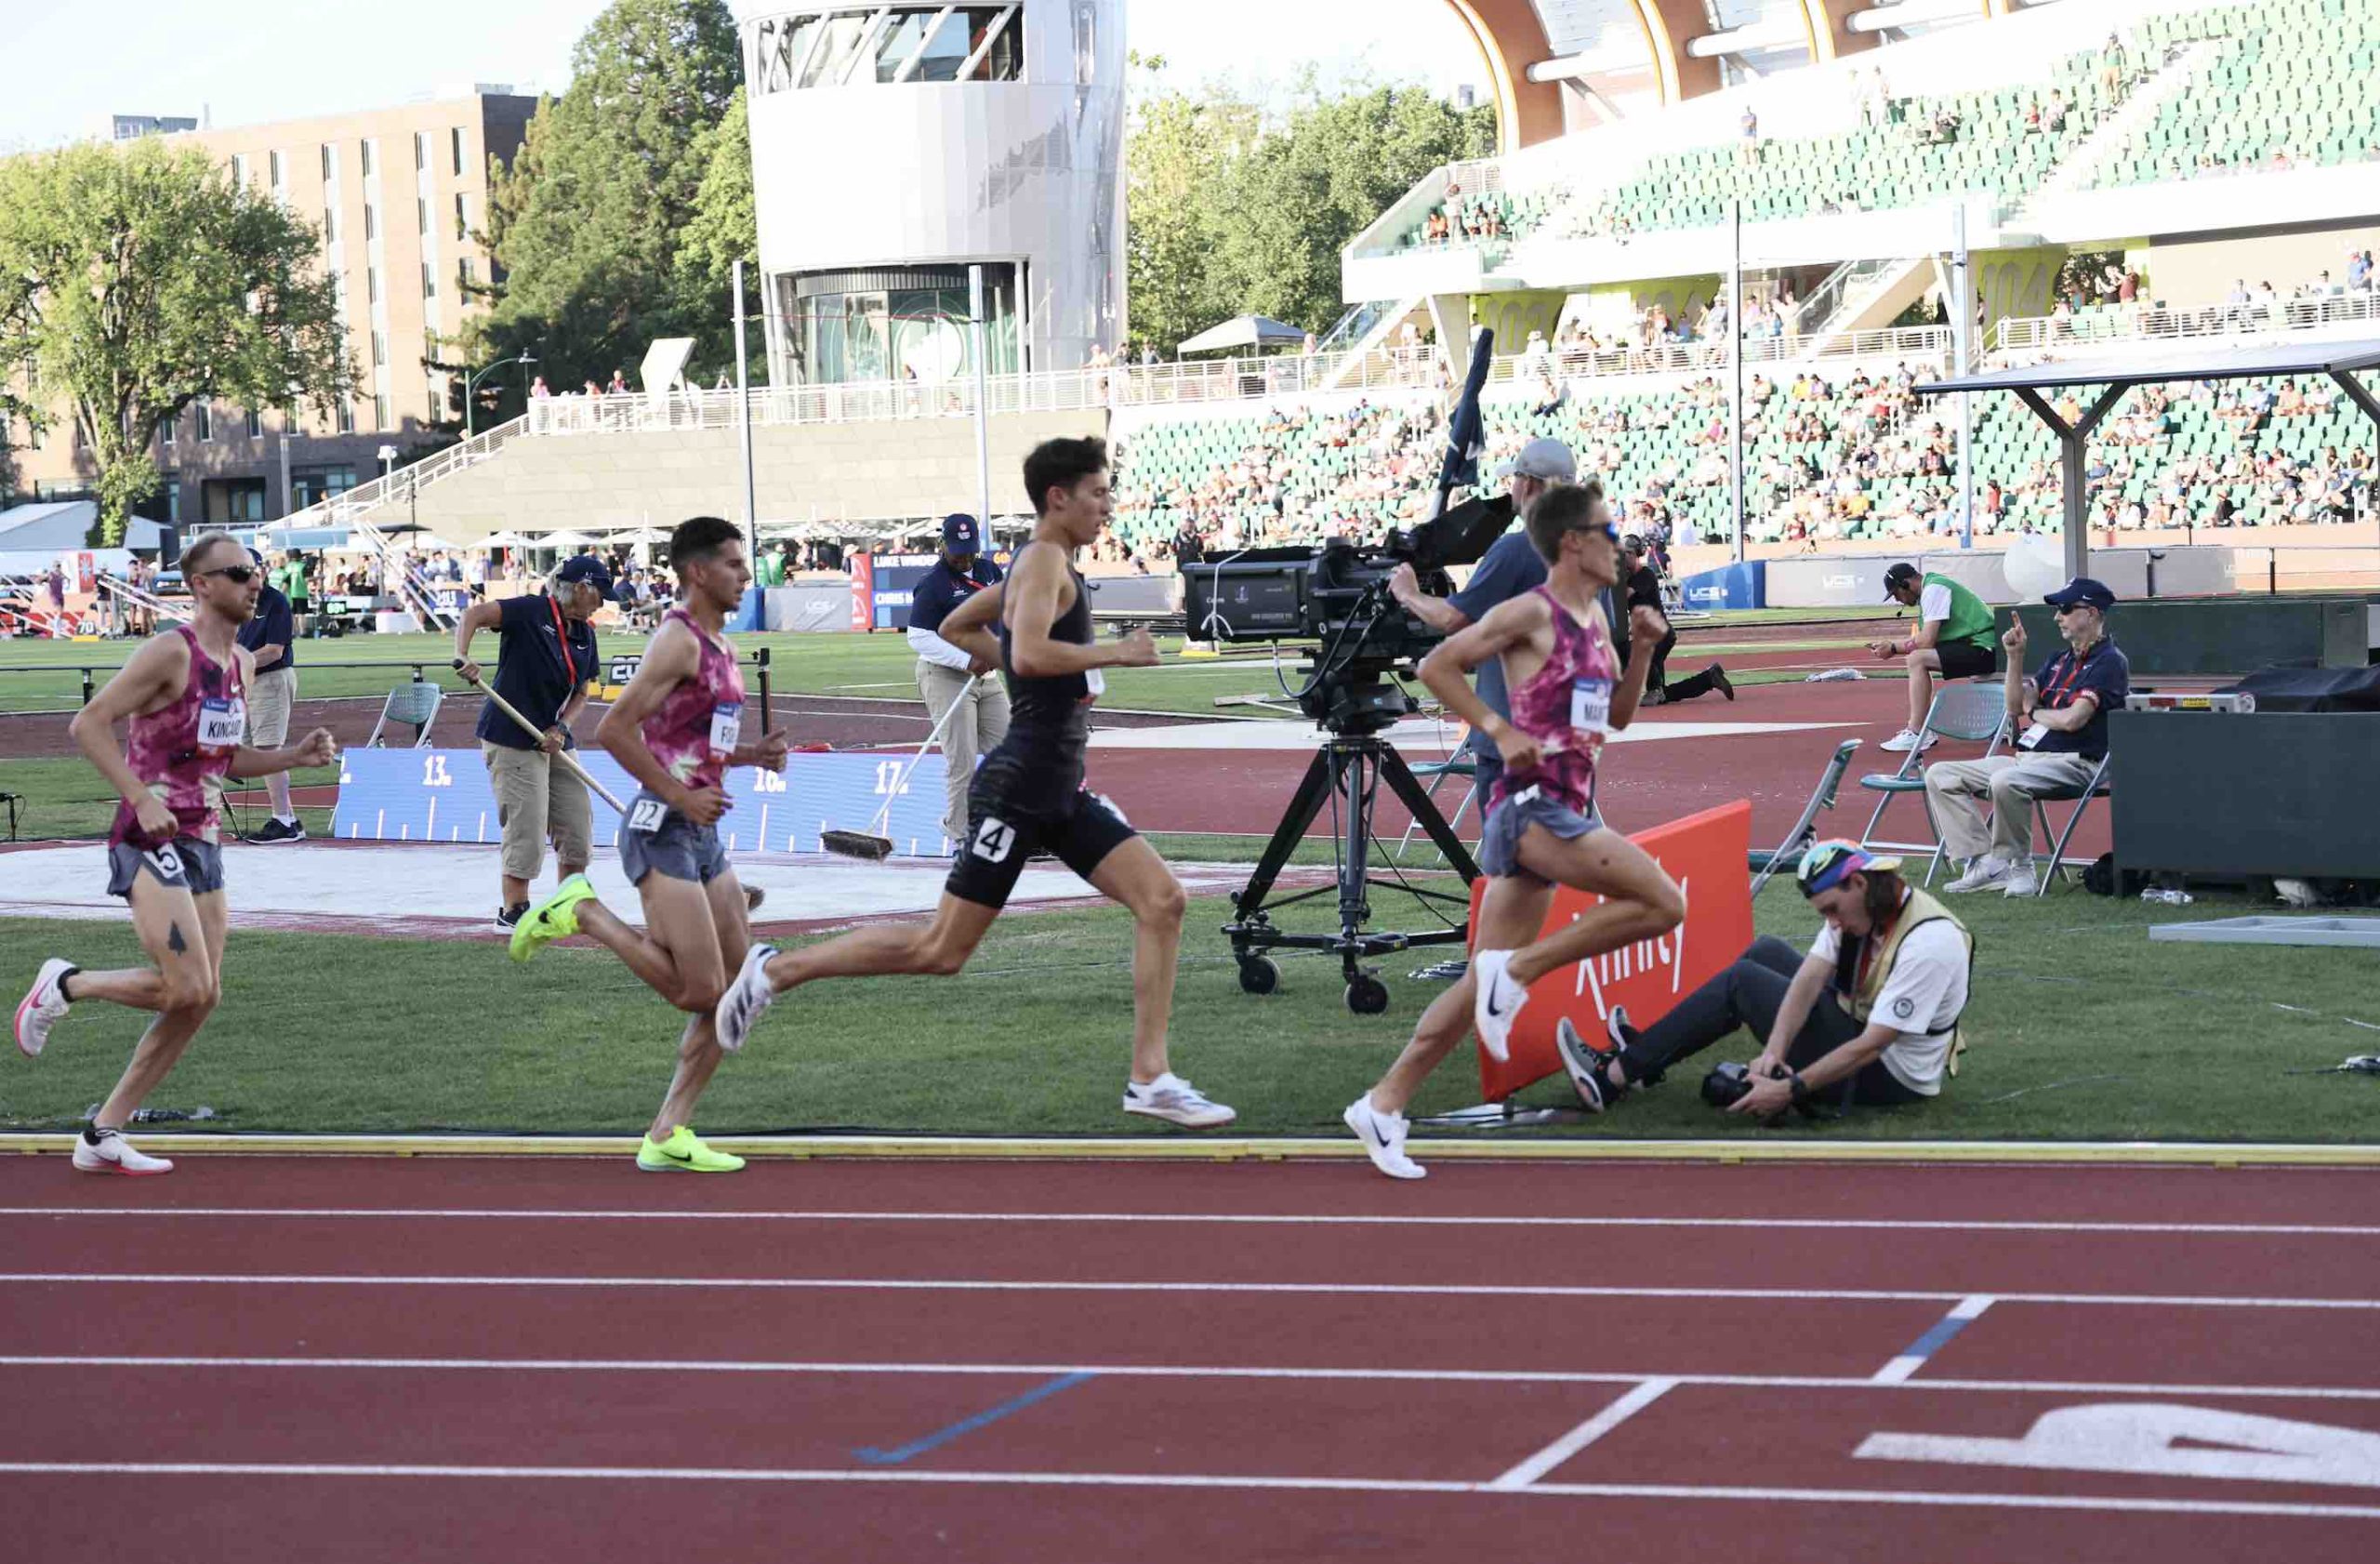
<point x="238" y="575"/>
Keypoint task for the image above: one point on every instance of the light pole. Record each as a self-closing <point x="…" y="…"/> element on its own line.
<point x="470" y="404"/>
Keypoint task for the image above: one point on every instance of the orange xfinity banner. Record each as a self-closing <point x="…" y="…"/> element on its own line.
<point x="1706" y="854"/>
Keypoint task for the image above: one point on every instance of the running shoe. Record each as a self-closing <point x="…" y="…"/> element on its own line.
<point x="746" y="999"/>
<point x="41" y="1007"/>
<point x="683" y="1152"/>
<point x="277" y="831"/>
<point x="105" y="1151"/>
<point x="1720" y="682"/>
<point x="552" y="918"/>
<point x="509" y="918"/>
<point x="1586" y="1062"/>
<point x="1904" y="741"/>
<point x="1384" y="1137"/>
<point x="1496" y="1003"/>
<point x="1171" y="1098"/>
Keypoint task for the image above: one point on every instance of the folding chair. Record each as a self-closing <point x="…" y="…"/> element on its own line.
<point x="415" y="703"/>
<point x="1458" y="762"/>
<point x="2097" y="788"/>
<point x="1969" y="712"/>
<point x="1804" y="829"/>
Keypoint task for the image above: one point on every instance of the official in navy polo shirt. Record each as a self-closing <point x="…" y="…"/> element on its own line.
<point x="2060" y="718"/>
<point x="272" y="634"/>
<point x="944" y="672"/>
<point x="545" y="660"/>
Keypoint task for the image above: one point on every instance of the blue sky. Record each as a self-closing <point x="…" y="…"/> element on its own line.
<point x="72" y="64"/>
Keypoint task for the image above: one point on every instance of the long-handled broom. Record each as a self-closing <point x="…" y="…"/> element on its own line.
<point x="871" y="844"/>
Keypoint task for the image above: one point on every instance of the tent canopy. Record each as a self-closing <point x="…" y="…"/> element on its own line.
<point x="1244" y="331"/>
<point x="61" y="526"/>
<point x="503" y="540"/>
<point x="563" y="541"/>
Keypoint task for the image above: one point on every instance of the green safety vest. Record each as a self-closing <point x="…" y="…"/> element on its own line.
<point x="1970" y="616"/>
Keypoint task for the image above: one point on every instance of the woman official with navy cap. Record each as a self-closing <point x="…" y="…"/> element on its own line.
<point x="1871" y="1016"/>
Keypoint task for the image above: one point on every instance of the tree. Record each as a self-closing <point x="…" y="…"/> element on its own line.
<point x="726" y="226"/>
<point x="144" y="280"/>
<point x="1176" y="163"/>
<point x="587" y="223"/>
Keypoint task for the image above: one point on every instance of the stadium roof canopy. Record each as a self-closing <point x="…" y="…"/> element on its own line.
<point x="2114" y="374"/>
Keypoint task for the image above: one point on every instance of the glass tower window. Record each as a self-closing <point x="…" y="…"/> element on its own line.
<point x="851" y="45"/>
<point x="908" y="325"/>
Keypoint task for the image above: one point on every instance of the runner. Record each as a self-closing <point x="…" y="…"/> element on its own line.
<point x="1029" y="796"/>
<point x="183" y="696"/>
<point x="1568" y="695"/>
<point x="677" y="729"/>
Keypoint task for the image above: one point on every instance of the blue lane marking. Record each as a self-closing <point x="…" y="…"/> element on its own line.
<point x="899" y="1453"/>
<point x="1914" y="1355"/>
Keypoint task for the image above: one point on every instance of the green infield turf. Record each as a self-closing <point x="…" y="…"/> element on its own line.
<point x="2082" y="1029"/>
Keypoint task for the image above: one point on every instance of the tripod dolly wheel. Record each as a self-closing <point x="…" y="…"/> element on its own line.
<point x="1258" y="975"/>
<point x="1367" y="995"/>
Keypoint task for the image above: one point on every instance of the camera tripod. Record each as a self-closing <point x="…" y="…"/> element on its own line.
<point x="1346" y="772"/>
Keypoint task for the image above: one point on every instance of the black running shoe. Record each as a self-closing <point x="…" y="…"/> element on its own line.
<point x="278" y="830"/>
<point x="509" y="918"/>
<point x="1720" y="682"/>
<point x="1586" y="1062"/>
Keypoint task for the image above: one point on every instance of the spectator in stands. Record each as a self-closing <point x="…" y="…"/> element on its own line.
<point x="2063" y="715"/>
<point x="1953" y="638"/>
<point x="539" y="389"/>
<point x="619" y="386"/>
<point x="1640" y="585"/>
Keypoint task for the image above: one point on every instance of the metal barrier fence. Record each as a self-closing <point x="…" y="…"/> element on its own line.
<point x="2156" y="322"/>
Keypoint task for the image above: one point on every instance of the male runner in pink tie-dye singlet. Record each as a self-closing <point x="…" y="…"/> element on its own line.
<point x="677" y="729"/>
<point x="182" y="698"/>
<point x="1568" y="695"/>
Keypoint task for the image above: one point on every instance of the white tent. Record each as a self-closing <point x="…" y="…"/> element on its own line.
<point x="503" y="540"/>
<point x="64" y="526"/>
<point x="1245" y="331"/>
<point x="563" y="541"/>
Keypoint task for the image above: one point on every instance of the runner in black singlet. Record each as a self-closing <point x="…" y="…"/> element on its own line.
<point x="1028" y="795"/>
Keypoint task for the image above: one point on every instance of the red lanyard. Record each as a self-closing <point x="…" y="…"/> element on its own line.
<point x="562" y="631"/>
<point x="2059" y="694"/>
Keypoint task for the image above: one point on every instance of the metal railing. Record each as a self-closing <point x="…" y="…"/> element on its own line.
<point x="2155" y="323"/>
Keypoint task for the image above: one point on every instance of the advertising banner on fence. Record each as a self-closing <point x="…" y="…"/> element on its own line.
<point x="1706" y="854"/>
<point x="442" y="795"/>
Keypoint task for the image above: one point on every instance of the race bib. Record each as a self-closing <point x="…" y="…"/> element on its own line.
<point x="1591" y="705"/>
<point x="645" y="815"/>
<point x="1095" y="683"/>
<point x="2032" y="736"/>
<point x="222" y="724"/>
<point x="726" y="729"/>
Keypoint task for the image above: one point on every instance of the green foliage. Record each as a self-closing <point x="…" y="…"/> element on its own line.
<point x="726" y="227"/>
<point x="588" y="221"/>
<point x="141" y="280"/>
<point x="1233" y="210"/>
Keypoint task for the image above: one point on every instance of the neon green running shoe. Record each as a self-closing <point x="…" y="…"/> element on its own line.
<point x="683" y="1152"/>
<point x="552" y="918"/>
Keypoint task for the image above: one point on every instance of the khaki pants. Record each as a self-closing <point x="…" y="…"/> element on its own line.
<point x="981" y="724"/>
<point x="2012" y="783"/>
<point x="536" y="799"/>
<point x="270" y="694"/>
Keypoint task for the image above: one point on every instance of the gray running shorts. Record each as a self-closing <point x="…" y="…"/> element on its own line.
<point x="656" y="838"/>
<point x="187" y="864"/>
<point x="1499" y="845"/>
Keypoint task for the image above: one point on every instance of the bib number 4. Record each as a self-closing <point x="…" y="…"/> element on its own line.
<point x="994" y="840"/>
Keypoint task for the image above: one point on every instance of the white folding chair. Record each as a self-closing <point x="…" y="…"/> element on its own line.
<point x="1968" y="711"/>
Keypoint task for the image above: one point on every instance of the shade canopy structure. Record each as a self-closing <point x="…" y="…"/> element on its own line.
<point x="640" y="534"/>
<point x="2109" y="375"/>
<point x="64" y="526"/>
<point x="563" y="541"/>
<point x="507" y="539"/>
<point x="1244" y="331"/>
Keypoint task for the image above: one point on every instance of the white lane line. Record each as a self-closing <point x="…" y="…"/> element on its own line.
<point x="1963" y="1313"/>
<point x="1178" y="1370"/>
<point x="1310" y="1288"/>
<point x="1586" y="1434"/>
<point x="1172" y="1480"/>
<point x="1256" y="1219"/>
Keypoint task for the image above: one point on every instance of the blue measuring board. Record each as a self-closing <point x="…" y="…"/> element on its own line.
<point x="444" y="795"/>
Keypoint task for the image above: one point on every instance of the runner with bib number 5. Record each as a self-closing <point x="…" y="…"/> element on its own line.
<point x="677" y="729"/>
<point x="183" y="700"/>
<point x="1028" y="795"/>
<point x="1568" y="696"/>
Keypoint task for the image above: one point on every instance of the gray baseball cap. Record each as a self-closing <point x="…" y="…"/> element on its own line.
<point x="1546" y="458"/>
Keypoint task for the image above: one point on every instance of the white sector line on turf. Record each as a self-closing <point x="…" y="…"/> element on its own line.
<point x="1257" y="1219"/>
<point x="1270" y="1289"/>
<point x="1173" y="1370"/>
<point x="1526" y="1472"/>
<point x="1256" y="1483"/>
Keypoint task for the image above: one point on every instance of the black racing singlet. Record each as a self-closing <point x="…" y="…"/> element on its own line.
<point x="1049" y="722"/>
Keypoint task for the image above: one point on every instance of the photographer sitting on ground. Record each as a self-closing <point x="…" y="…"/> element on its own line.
<point x="2062" y="721"/>
<point x="1871" y="1016"/>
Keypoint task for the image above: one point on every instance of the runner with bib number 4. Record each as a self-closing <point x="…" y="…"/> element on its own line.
<point x="677" y="729"/>
<point x="1568" y="695"/>
<point x="1028" y="796"/>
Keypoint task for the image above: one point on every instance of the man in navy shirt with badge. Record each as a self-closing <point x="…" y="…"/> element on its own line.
<point x="2060" y="715"/>
<point x="944" y="670"/>
<point x="545" y="661"/>
<point x="272" y="635"/>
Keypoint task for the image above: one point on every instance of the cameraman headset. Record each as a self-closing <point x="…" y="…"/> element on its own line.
<point x="1510" y="567"/>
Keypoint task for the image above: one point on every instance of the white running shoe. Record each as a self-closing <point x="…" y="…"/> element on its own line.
<point x="2022" y="881"/>
<point x="1170" y="1098"/>
<point x="1496" y="1003"/>
<point x="1383" y="1138"/>
<point x="746" y="999"/>
<point x="116" y="1154"/>
<point x="1904" y="741"/>
<point x="1986" y="873"/>
<point x="41" y="1007"/>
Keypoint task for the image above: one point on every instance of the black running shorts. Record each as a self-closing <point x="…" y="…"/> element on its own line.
<point x="1001" y="838"/>
<point x="1964" y="659"/>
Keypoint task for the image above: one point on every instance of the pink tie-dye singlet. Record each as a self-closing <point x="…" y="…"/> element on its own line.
<point x="1566" y="706"/>
<point x="181" y="750"/>
<point x="701" y="723"/>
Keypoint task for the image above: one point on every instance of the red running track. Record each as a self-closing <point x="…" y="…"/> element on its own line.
<point x="543" y="1358"/>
